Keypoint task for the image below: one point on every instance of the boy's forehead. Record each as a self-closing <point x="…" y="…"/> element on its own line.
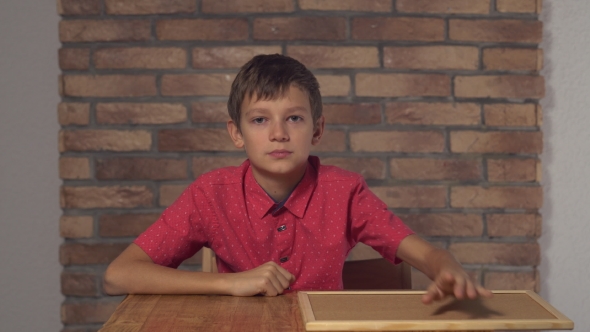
<point x="296" y="96"/>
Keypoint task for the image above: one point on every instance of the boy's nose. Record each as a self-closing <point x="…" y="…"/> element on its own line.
<point x="279" y="133"/>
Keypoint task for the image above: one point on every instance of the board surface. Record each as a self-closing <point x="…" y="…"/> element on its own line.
<point x="403" y="310"/>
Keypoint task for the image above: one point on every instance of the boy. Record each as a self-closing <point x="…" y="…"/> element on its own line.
<point x="280" y="220"/>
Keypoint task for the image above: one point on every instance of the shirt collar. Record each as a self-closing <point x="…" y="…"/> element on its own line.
<point x="297" y="203"/>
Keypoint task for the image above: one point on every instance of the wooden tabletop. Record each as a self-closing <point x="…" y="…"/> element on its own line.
<point x="206" y="313"/>
<point x="333" y="311"/>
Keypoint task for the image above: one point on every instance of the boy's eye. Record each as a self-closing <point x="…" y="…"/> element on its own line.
<point x="295" y="118"/>
<point x="258" y="120"/>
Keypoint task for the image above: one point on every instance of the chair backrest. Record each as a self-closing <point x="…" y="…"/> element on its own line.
<point x="366" y="269"/>
<point x="363" y="269"/>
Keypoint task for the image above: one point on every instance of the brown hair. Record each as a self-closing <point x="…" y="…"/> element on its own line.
<point x="269" y="77"/>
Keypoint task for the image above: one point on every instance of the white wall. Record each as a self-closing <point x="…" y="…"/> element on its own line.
<point x="565" y="246"/>
<point x="29" y="204"/>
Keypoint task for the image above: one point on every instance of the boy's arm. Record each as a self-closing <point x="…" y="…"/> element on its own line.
<point x="449" y="277"/>
<point x="134" y="272"/>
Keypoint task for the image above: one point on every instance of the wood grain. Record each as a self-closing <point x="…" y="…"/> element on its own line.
<point x="206" y="313"/>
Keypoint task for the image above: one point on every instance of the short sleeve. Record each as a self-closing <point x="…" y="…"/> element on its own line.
<point x="373" y="224"/>
<point x="179" y="232"/>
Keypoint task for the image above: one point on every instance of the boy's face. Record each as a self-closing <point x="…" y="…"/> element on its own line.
<point x="277" y="134"/>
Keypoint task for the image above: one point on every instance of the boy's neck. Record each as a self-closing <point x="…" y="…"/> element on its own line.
<point x="278" y="188"/>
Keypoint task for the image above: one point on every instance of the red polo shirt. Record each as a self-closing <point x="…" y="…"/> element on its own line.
<point x="328" y="212"/>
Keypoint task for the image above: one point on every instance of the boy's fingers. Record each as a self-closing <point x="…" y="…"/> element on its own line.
<point x="483" y="291"/>
<point x="433" y="293"/>
<point x="459" y="287"/>
<point x="471" y="290"/>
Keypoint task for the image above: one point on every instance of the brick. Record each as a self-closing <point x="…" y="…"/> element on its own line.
<point x="76" y="31"/>
<point x="433" y="113"/>
<point x="347" y="5"/>
<point x="435" y="169"/>
<point x="402" y="85"/>
<point x="334" y="85"/>
<point x="515" y="254"/>
<point x="197" y="84"/>
<point x="232" y="29"/>
<point x="412" y="196"/>
<point x="170" y="192"/>
<point x="397" y="141"/>
<point x="79" y="284"/>
<point x="141" y="169"/>
<point x="109" y="85"/>
<point x="85" y="254"/>
<point x="431" y="57"/>
<point x="140" y="113"/>
<point x="105" y="140"/>
<point x="123" y="225"/>
<point x="250" y="6"/>
<point x="530" y="59"/>
<point x="105" y="197"/>
<point x="74" y="58"/>
<point x="512" y="170"/>
<point x="363" y="113"/>
<point x="203" y="165"/>
<point x="78" y="7"/>
<point x="511" y="280"/>
<point x="194" y="140"/>
<point x="300" y="28"/>
<point x="87" y="312"/>
<point x="496" y="142"/>
<point x="444" y="224"/>
<point x="519" y="6"/>
<point x="496" y="31"/>
<point x="444" y="6"/>
<point x="207" y="112"/>
<point x="76" y="227"/>
<point x="315" y="56"/>
<point x="497" y="197"/>
<point x="73" y="168"/>
<point x="369" y="168"/>
<point x="73" y="114"/>
<point x="522" y="225"/>
<point x="332" y="141"/>
<point x="146" y="7"/>
<point x="140" y="57"/>
<point x="503" y="86"/>
<point x="228" y="57"/>
<point x="398" y="28"/>
<point x="510" y="115"/>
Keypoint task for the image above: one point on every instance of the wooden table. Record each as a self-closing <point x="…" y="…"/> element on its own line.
<point x="333" y="311"/>
<point x="206" y="313"/>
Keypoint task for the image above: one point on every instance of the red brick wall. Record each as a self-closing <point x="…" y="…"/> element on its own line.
<point x="435" y="102"/>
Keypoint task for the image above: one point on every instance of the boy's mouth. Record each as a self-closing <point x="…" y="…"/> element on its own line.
<point x="280" y="153"/>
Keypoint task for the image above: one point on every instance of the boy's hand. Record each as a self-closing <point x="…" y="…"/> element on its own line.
<point x="454" y="283"/>
<point x="449" y="277"/>
<point x="268" y="279"/>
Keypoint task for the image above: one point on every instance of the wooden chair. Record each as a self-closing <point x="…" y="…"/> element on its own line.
<point x="364" y="269"/>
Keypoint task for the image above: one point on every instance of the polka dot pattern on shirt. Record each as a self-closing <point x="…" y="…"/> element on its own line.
<point x="311" y="235"/>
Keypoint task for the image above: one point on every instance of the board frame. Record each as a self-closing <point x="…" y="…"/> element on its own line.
<point x="561" y="322"/>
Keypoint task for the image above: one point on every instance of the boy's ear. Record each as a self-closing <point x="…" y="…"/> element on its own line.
<point x="318" y="131"/>
<point x="235" y="134"/>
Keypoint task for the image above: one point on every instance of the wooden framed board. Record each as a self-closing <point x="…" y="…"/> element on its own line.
<point x="404" y="311"/>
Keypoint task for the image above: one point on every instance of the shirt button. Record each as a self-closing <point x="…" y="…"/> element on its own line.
<point x="284" y="259"/>
<point x="282" y="228"/>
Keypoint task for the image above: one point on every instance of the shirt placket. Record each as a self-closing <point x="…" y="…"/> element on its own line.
<point x="285" y="229"/>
